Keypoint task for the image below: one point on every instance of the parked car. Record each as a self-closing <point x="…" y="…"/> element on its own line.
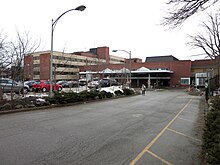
<point x="30" y="83"/>
<point x="93" y="84"/>
<point x="44" y="85"/>
<point x="82" y="82"/>
<point x="9" y="85"/>
<point x="70" y="84"/>
<point x="62" y="82"/>
<point x="107" y="82"/>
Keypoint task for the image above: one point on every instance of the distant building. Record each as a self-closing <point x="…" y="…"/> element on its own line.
<point x="97" y="62"/>
<point x="66" y="65"/>
<point x="161" y="58"/>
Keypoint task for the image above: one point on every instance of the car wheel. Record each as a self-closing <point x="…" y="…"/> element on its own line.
<point x="44" y="89"/>
<point x="60" y="88"/>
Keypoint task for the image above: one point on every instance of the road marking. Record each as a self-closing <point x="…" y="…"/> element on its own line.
<point x="156" y="156"/>
<point x="186" y="119"/>
<point x="158" y="135"/>
<point x="191" y="112"/>
<point x="180" y="133"/>
<point x="198" y="123"/>
<point x="137" y="115"/>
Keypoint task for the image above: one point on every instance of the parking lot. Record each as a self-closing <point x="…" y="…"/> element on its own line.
<point x="160" y="127"/>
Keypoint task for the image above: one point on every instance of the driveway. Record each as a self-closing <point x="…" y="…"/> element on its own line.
<point x="161" y="127"/>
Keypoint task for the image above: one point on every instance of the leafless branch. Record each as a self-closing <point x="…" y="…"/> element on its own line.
<point x="181" y="10"/>
<point x="210" y="41"/>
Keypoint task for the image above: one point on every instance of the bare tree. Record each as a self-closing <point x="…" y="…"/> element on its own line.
<point x="21" y="46"/>
<point x="209" y="42"/>
<point x="5" y="60"/>
<point x="180" y="10"/>
<point x="12" y="54"/>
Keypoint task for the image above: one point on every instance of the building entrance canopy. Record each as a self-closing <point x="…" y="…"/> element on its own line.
<point x="139" y="76"/>
<point x="125" y="70"/>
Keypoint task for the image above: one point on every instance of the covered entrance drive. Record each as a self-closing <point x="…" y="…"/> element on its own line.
<point x="152" y="78"/>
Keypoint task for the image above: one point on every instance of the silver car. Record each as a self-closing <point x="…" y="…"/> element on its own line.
<point x="9" y="85"/>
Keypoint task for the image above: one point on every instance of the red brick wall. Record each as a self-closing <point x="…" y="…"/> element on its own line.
<point x="45" y="66"/>
<point x="103" y="53"/>
<point x="207" y="63"/>
<point x="180" y="68"/>
<point x="28" y="67"/>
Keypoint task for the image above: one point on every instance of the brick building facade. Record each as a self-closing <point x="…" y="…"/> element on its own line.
<point x="162" y="70"/>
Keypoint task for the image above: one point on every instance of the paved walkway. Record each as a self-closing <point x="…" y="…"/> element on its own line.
<point x="183" y="134"/>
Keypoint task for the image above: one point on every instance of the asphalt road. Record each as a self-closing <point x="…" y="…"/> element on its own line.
<point x="161" y="127"/>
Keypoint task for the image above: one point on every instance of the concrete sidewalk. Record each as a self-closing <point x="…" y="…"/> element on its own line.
<point x="182" y="135"/>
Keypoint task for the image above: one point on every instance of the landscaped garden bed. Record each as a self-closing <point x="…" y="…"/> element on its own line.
<point x="61" y="98"/>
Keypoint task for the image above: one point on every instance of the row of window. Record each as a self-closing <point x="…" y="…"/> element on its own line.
<point x="58" y="65"/>
<point x="71" y="59"/>
<point x="66" y="73"/>
<point x="65" y="66"/>
<point x="58" y="73"/>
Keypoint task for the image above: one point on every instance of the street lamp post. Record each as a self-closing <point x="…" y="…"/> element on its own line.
<point x="28" y="71"/>
<point x="53" y="25"/>
<point x="129" y="52"/>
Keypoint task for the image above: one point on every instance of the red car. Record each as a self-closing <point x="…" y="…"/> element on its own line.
<point x="44" y="85"/>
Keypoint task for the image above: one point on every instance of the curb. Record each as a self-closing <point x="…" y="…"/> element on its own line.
<point x="60" y="105"/>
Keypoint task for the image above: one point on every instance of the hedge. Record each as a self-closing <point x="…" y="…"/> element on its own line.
<point x="63" y="98"/>
<point x="211" y="136"/>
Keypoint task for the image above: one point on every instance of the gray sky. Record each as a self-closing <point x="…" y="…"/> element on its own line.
<point x="119" y="24"/>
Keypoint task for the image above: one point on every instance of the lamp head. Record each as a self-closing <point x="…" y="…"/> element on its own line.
<point x="114" y="50"/>
<point x="80" y="8"/>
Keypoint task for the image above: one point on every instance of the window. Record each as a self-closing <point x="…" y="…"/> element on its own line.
<point x="185" y="81"/>
<point x="36" y="58"/>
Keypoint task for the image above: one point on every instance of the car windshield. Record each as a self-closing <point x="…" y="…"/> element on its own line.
<point x="37" y="82"/>
<point x="9" y="82"/>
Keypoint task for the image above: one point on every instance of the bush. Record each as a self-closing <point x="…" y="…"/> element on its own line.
<point x="128" y="91"/>
<point x="109" y="94"/>
<point x="94" y="94"/>
<point x="211" y="136"/>
<point x="84" y="95"/>
<point x="71" y="97"/>
<point x="52" y="100"/>
<point x="105" y="94"/>
<point x="102" y="94"/>
<point x="63" y="98"/>
<point x="118" y="93"/>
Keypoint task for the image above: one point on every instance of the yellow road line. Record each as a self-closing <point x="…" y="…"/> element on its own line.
<point x="180" y="133"/>
<point x="158" y="135"/>
<point x="161" y="159"/>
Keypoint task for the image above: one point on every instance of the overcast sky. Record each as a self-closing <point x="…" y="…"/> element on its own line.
<point x="119" y="24"/>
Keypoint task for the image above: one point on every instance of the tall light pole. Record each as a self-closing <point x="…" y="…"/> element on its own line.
<point x="129" y="52"/>
<point x="53" y="25"/>
<point x="28" y="71"/>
